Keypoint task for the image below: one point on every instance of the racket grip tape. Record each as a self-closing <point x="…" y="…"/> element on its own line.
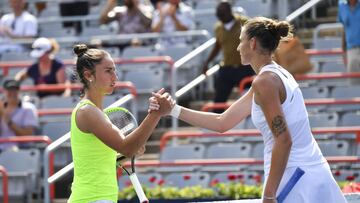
<point x="290" y="184"/>
<point x="138" y="189"/>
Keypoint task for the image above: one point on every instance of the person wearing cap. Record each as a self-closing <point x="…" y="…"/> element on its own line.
<point x="17" y="117"/>
<point x="47" y="69"/>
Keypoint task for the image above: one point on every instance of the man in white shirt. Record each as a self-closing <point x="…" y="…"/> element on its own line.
<point x="170" y="17"/>
<point x="17" y="25"/>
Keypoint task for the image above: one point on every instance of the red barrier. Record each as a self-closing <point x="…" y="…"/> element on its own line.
<point x="209" y="162"/>
<point x="31" y="138"/>
<point x="309" y="102"/>
<point x="310" y="76"/>
<point x="5" y="184"/>
<point x="251" y="132"/>
<point x="314" y="52"/>
<point x="59" y="87"/>
<point x="153" y="59"/>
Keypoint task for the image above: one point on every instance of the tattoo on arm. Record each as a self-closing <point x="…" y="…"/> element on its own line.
<point x="278" y="125"/>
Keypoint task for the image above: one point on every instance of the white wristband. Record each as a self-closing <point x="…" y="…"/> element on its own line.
<point x="175" y="111"/>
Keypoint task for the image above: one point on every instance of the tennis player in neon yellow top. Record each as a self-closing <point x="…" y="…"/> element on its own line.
<point x="94" y="140"/>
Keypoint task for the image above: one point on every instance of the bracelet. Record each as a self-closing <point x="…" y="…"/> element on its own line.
<point x="175" y="111"/>
<point x="269" y="198"/>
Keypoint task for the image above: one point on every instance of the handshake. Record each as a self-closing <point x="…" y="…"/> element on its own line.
<point x="162" y="102"/>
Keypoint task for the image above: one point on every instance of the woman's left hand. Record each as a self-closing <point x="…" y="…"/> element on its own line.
<point x="141" y="151"/>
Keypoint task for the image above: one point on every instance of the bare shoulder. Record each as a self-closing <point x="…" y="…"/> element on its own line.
<point x="88" y="116"/>
<point x="265" y="82"/>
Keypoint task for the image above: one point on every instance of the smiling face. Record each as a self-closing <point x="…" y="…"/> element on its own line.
<point x="245" y="47"/>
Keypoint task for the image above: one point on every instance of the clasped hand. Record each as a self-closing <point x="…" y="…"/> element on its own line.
<point x="162" y="102"/>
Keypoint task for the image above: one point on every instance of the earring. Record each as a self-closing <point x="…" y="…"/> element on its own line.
<point x="90" y="80"/>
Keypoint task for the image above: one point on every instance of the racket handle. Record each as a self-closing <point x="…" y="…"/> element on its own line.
<point x="138" y="189"/>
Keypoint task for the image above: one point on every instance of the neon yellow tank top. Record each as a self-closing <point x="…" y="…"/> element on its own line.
<point x="94" y="165"/>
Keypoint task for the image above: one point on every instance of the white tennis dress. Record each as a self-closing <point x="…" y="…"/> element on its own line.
<point x="317" y="184"/>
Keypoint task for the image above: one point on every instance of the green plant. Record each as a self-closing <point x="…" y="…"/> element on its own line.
<point x="230" y="190"/>
<point x="238" y="190"/>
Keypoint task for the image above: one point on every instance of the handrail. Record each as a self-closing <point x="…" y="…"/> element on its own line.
<point x="59" y="87"/>
<point x="251" y="132"/>
<point x="315" y="52"/>
<point x="309" y="102"/>
<point x="302" y="10"/>
<point x="325" y="26"/>
<point x="5" y="184"/>
<point x="238" y="161"/>
<point x="181" y="62"/>
<point x="118" y="38"/>
<point x="153" y="59"/>
<point x="34" y="138"/>
<point x="309" y="76"/>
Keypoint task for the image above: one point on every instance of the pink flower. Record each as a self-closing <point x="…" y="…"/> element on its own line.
<point x="214" y="182"/>
<point x="337" y="173"/>
<point x="152" y="179"/>
<point x="186" y="177"/>
<point x="161" y="182"/>
<point x="240" y="176"/>
<point x="231" y="177"/>
<point x="350" y="178"/>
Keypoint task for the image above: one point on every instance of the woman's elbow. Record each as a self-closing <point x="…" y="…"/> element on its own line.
<point x="126" y="152"/>
<point x="287" y="142"/>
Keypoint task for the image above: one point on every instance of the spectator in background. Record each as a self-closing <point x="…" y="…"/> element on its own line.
<point x="16" y="25"/>
<point x="48" y="69"/>
<point x="76" y="8"/>
<point x="349" y="16"/>
<point x="172" y="16"/>
<point x="227" y="32"/>
<point x="133" y="17"/>
<point x="17" y="117"/>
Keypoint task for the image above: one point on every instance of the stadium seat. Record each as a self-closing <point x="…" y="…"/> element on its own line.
<point x="227" y="151"/>
<point x="23" y="168"/>
<point x="323" y="119"/>
<point x="179" y="152"/>
<point x="334" y="148"/>
<point x="148" y="179"/>
<point x="55" y="101"/>
<point x="350" y="119"/>
<point x="135" y="52"/>
<point x="188" y="179"/>
<point x="333" y="66"/>
<point x="247" y="178"/>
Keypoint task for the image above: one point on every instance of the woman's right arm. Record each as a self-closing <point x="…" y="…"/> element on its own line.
<point x="104" y="18"/>
<point x="21" y="75"/>
<point x="90" y="119"/>
<point x="238" y="111"/>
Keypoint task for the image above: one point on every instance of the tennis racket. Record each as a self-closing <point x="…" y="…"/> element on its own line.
<point x="126" y="122"/>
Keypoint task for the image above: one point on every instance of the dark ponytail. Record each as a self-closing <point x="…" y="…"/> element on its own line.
<point x="87" y="59"/>
<point x="268" y="32"/>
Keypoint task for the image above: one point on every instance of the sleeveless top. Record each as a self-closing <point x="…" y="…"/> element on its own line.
<point x="34" y="73"/>
<point x="304" y="149"/>
<point x="94" y="165"/>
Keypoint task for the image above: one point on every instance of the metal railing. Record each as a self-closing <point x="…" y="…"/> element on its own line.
<point x="5" y="183"/>
<point x="119" y="38"/>
<point x="251" y="132"/>
<point x="308" y="102"/>
<point x="26" y="139"/>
